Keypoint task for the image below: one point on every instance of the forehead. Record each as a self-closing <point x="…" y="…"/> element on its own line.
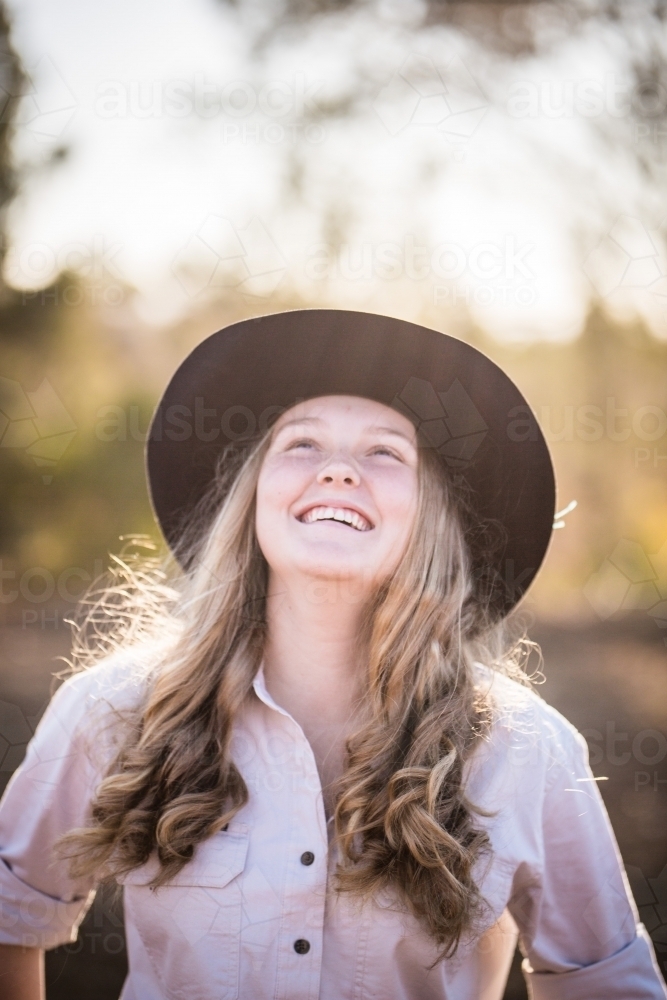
<point x="354" y="411"/>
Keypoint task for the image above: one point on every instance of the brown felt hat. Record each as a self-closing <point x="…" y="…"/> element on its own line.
<point x="235" y="383"/>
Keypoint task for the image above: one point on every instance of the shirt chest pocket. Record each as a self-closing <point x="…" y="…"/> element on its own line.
<point x="191" y="927"/>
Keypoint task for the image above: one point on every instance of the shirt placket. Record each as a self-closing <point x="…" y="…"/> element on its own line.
<point x="300" y="944"/>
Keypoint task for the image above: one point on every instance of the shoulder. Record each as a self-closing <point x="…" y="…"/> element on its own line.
<point x="524" y="731"/>
<point x="94" y="706"/>
<point x="117" y="681"/>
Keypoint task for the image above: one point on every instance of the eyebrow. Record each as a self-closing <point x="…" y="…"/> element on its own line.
<point x="318" y="420"/>
<point x="390" y="430"/>
<point x="299" y="420"/>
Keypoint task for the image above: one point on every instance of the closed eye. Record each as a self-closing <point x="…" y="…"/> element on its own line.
<point x="301" y="443"/>
<point x="384" y="450"/>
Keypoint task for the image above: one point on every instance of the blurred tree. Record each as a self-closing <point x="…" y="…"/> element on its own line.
<point x="513" y="27"/>
<point x="12" y="85"/>
<point x="578" y="89"/>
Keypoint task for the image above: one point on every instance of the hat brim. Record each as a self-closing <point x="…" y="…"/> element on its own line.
<point x="236" y="381"/>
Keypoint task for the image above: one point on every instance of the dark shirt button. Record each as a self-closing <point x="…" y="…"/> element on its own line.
<point x="301" y="946"/>
<point x="307" y="858"/>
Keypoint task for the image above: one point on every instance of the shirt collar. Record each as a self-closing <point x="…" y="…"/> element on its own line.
<point x="259" y="686"/>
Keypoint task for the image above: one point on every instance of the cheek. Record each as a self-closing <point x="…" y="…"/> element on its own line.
<point x="268" y="503"/>
<point x="278" y="487"/>
<point x="398" y="506"/>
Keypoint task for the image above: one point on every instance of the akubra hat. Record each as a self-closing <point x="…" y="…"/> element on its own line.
<point x="234" y="384"/>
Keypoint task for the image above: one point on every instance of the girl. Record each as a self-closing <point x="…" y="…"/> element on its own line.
<point x="309" y="757"/>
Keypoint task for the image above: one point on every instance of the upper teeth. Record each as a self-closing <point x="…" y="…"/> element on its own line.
<point x="336" y="514"/>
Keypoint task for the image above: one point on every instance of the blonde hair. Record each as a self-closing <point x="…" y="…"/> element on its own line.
<point x="402" y="818"/>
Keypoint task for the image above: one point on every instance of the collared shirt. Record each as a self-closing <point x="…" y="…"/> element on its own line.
<point x="253" y="915"/>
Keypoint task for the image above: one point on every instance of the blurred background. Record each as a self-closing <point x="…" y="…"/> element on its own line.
<point x="495" y="170"/>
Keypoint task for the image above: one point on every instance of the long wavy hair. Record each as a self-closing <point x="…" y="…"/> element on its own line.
<point x="402" y="819"/>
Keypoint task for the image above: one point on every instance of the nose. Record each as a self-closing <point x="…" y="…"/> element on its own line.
<point x="338" y="471"/>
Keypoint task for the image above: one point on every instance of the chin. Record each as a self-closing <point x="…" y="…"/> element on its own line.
<point x="332" y="558"/>
<point x="334" y="570"/>
<point x="356" y="577"/>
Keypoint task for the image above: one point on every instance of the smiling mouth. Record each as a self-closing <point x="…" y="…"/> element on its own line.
<point x="344" y="515"/>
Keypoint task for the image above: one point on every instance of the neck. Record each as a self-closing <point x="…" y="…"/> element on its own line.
<point x="312" y="658"/>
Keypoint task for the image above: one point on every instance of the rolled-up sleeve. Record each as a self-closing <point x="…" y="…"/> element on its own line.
<point x="578" y="924"/>
<point x="50" y="794"/>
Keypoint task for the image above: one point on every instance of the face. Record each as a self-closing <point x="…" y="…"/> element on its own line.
<point x="337" y="491"/>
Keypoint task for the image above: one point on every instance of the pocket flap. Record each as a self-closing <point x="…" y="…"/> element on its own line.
<point x="216" y="862"/>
